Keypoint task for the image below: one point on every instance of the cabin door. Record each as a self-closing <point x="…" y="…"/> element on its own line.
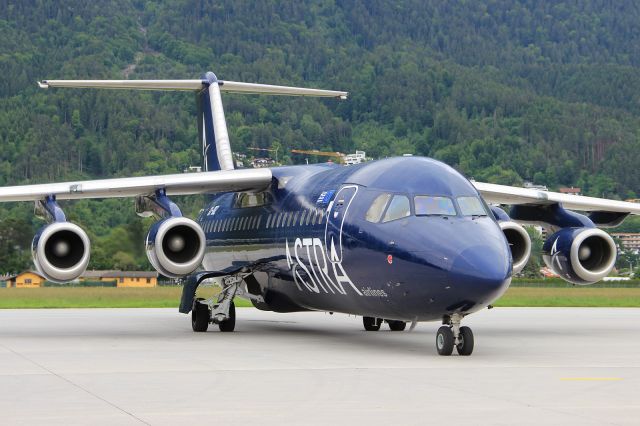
<point x="336" y="213"/>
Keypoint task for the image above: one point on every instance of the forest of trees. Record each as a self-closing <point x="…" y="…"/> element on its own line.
<point x="503" y="90"/>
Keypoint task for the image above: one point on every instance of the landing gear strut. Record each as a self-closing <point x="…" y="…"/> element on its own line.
<point x="451" y="334"/>
<point x="221" y="312"/>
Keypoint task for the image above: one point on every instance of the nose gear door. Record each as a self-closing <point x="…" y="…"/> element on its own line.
<point x="336" y="213"/>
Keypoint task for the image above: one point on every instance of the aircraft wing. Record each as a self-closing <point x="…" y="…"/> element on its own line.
<point x="502" y="194"/>
<point x="177" y="184"/>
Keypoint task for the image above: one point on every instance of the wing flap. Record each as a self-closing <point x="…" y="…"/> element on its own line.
<point x="502" y="194"/>
<point x="177" y="184"/>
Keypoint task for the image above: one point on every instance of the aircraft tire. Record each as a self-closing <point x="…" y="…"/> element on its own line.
<point x="444" y="341"/>
<point x="465" y="348"/>
<point x="396" y="325"/>
<point x="371" y="323"/>
<point x="199" y="316"/>
<point x="229" y="324"/>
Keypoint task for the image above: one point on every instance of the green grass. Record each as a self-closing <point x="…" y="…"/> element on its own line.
<point x="571" y="297"/>
<point x="93" y="297"/>
<point x="169" y="297"/>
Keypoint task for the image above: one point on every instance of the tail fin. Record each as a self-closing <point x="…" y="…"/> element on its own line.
<point x="212" y="126"/>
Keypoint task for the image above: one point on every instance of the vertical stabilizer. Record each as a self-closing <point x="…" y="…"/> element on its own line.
<point x="212" y="126"/>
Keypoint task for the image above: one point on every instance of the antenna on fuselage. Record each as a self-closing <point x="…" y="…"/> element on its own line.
<point x="212" y="126"/>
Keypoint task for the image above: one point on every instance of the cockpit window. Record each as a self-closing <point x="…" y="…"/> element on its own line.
<point x="471" y="206"/>
<point x="427" y="205"/>
<point x="398" y="208"/>
<point x="377" y="208"/>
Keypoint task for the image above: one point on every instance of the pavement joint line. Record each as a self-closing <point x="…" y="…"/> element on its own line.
<point x="72" y="383"/>
<point x="593" y="379"/>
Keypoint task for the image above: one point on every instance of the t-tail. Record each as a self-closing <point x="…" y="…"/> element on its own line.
<point x="212" y="126"/>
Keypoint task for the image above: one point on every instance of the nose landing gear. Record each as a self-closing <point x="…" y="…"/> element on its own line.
<point x="451" y="334"/>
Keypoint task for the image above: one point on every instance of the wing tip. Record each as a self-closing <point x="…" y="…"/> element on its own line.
<point x="43" y="84"/>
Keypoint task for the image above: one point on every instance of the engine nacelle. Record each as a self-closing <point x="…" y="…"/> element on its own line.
<point x="580" y="255"/>
<point x="519" y="243"/>
<point x="175" y="246"/>
<point x="61" y="251"/>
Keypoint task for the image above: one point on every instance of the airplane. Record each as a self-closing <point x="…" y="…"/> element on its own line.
<point x="396" y="241"/>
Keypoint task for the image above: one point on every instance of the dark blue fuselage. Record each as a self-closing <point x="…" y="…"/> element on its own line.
<point x="321" y="238"/>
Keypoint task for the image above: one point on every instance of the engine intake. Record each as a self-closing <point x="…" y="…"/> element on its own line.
<point x="519" y="243"/>
<point x="61" y="251"/>
<point x="580" y="255"/>
<point x="175" y="246"/>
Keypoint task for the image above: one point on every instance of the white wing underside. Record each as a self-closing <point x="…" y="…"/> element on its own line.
<point x="502" y="194"/>
<point x="178" y="184"/>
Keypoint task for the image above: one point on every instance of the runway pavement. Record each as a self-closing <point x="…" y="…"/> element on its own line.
<point x="145" y="366"/>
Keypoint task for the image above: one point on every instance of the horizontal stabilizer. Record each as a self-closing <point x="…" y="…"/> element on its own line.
<point x="125" y="84"/>
<point x="267" y="89"/>
<point x="193" y="85"/>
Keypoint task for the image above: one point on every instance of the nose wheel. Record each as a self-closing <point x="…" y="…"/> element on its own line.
<point x="451" y="334"/>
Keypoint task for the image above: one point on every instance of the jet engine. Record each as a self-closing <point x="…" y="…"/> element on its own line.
<point x="580" y="255"/>
<point x="175" y="246"/>
<point x="61" y="251"/>
<point x="519" y="243"/>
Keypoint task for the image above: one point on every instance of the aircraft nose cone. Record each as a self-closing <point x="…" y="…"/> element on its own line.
<point x="483" y="271"/>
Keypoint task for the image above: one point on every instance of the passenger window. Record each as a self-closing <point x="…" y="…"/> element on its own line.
<point x="268" y="221"/>
<point x="248" y="199"/>
<point x="303" y="216"/>
<point x="320" y="217"/>
<point x="377" y="208"/>
<point x="427" y="205"/>
<point x="399" y="207"/>
<point x="471" y="206"/>
<point x="295" y="218"/>
<point x="258" y="222"/>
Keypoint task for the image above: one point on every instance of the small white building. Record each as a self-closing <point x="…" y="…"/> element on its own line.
<point x="357" y="158"/>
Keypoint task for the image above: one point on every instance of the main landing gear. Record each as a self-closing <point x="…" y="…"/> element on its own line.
<point x="221" y="312"/>
<point x="451" y="334"/>
<point x="373" y="324"/>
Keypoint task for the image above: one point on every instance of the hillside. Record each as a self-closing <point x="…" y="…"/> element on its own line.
<point x="504" y="90"/>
